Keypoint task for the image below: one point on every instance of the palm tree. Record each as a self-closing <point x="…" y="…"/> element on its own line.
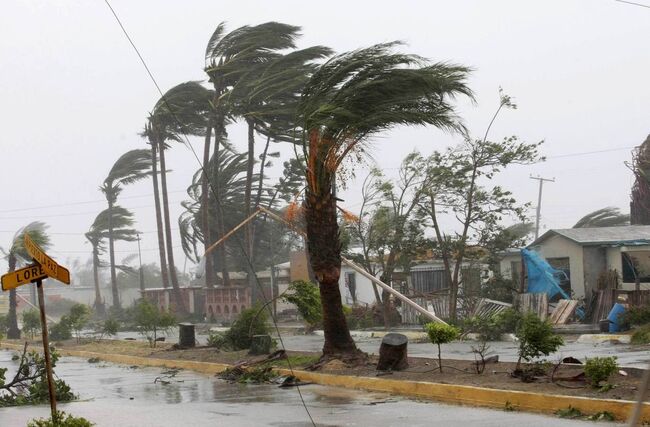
<point x="609" y="216"/>
<point x="18" y="254"/>
<point x="181" y="111"/>
<point x="131" y="167"/>
<point x="121" y="221"/>
<point x="230" y="59"/>
<point x="352" y="97"/>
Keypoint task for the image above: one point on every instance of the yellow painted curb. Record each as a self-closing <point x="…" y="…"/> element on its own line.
<point x="448" y="393"/>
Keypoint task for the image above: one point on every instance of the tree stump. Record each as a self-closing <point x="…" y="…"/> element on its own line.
<point x="186" y="338"/>
<point x="260" y="344"/>
<point x="393" y="353"/>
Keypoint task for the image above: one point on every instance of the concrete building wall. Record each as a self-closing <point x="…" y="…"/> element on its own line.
<point x="594" y="262"/>
<point x="364" y="291"/>
<point x="560" y="247"/>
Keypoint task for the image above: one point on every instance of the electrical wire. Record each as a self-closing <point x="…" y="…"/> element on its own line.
<point x="204" y="174"/>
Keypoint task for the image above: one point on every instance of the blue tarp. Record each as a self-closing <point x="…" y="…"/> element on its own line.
<point x="544" y="279"/>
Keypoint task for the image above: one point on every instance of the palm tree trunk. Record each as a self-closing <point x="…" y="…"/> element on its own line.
<point x="205" y="208"/>
<point x="325" y="256"/>
<point x="12" y="317"/>
<point x="248" y="230"/>
<point x="99" y="305"/>
<point x="159" y="223"/>
<point x="178" y="297"/>
<point x="111" y="254"/>
<point x="221" y="252"/>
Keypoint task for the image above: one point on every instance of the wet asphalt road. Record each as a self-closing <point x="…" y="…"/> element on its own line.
<point x="115" y="395"/>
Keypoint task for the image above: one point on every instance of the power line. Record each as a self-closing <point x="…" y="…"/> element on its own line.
<point x="633" y="3"/>
<point x="83" y="202"/>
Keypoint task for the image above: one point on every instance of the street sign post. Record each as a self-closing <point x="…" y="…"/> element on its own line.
<point x="43" y="267"/>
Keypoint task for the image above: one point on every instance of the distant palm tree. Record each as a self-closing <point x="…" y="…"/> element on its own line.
<point x="131" y="167"/>
<point x="122" y="220"/>
<point x="351" y="98"/>
<point x="18" y="254"/>
<point x="182" y="110"/>
<point x="606" y="217"/>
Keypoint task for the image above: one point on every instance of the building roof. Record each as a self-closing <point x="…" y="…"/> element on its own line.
<point x="622" y="235"/>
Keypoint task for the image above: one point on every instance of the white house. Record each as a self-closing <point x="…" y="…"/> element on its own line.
<point x="584" y="254"/>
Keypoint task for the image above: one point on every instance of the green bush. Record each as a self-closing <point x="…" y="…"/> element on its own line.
<point x="641" y="335"/>
<point x="636" y="316"/>
<point x="250" y="322"/>
<point x="536" y="338"/>
<point x="149" y="320"/>
<point x="491" y="328"/>
<point x="79" y="317"/>
<point x="218" y="340"/>
<point x="62" y="330"/>
<point x="439" y="333"/>
<point x="306" y="297"/>
<point x="109" y="327"/>
<point x="61" y="419"/>
<point x="599" y="369"/>
<point x="31" y="322"/>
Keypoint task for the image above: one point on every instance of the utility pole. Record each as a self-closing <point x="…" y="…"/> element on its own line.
<point x="141" y="272"/>
<point x="539" y="201"/>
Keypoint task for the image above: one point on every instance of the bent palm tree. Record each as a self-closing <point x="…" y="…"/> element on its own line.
<point x="181" y="111"/>
<point x="121" y="221"/>
<point x="131" y="167"/>
<point x="606" y="217"/>
<point x="352" y="97"/>
<point x="18" y="254"/>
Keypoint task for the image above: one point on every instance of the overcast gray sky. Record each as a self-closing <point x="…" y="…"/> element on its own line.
<point x="73" y="95"/>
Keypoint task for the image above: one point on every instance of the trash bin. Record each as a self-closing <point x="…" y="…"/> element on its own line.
<point x="186" y="337"/>
<point x="604" y="325"/>
<point x="614" y="322"/>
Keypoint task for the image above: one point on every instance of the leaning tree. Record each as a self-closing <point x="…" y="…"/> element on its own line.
<point x="350" y="98"/>
<point x="17" y="254"/>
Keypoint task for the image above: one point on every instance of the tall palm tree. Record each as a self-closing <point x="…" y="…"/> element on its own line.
<point x="121" y="221"/>
<point x="351" y="98"/>
<point x="131" y="167"/>
<point x="228" y="59"/>
<point x="17" y="254"/>
<point x="609" y="216"/>
<point x="182" y="110"/>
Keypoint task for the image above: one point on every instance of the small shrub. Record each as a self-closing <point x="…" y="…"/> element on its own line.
<point x="536" y="338"/>
<point x="602" y="416"/>
<point x="109" y="327"/>
<point x="149" y="320"/>
<point x="62" y="330"/>
<point x="636" y="316"/>
<point x="439" y="333"/>
<point x="641" y="335"/>
<point x="306" y="297"/>
<point x="599" y="369"/>
<point x="61" y="419"/>
<point x="491" y="328"/>
<point x="79" y="317"/>
<point x="217" y="340"/>
<point x="31" y="322"/>
<point x="249" y="322"/>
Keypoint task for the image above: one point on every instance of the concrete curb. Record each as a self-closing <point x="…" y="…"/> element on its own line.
<point x="448" y="393"/>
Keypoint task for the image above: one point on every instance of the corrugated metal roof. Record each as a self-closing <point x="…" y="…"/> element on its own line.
<point x="628" y="234"/>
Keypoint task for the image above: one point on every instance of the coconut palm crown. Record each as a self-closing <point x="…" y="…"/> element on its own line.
<point x="349" y="99"/>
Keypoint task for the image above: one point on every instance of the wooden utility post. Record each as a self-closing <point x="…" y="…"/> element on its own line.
<point x="46" y="348"/>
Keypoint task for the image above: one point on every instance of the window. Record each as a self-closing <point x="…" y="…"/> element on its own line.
<point x="427" y="281"/>
<point x="635" y="264"/>
<point x="564" y="266"/>
<point x="351" y="284"/>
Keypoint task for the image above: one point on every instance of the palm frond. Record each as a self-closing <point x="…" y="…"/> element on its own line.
<point x="609" y="216"/>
